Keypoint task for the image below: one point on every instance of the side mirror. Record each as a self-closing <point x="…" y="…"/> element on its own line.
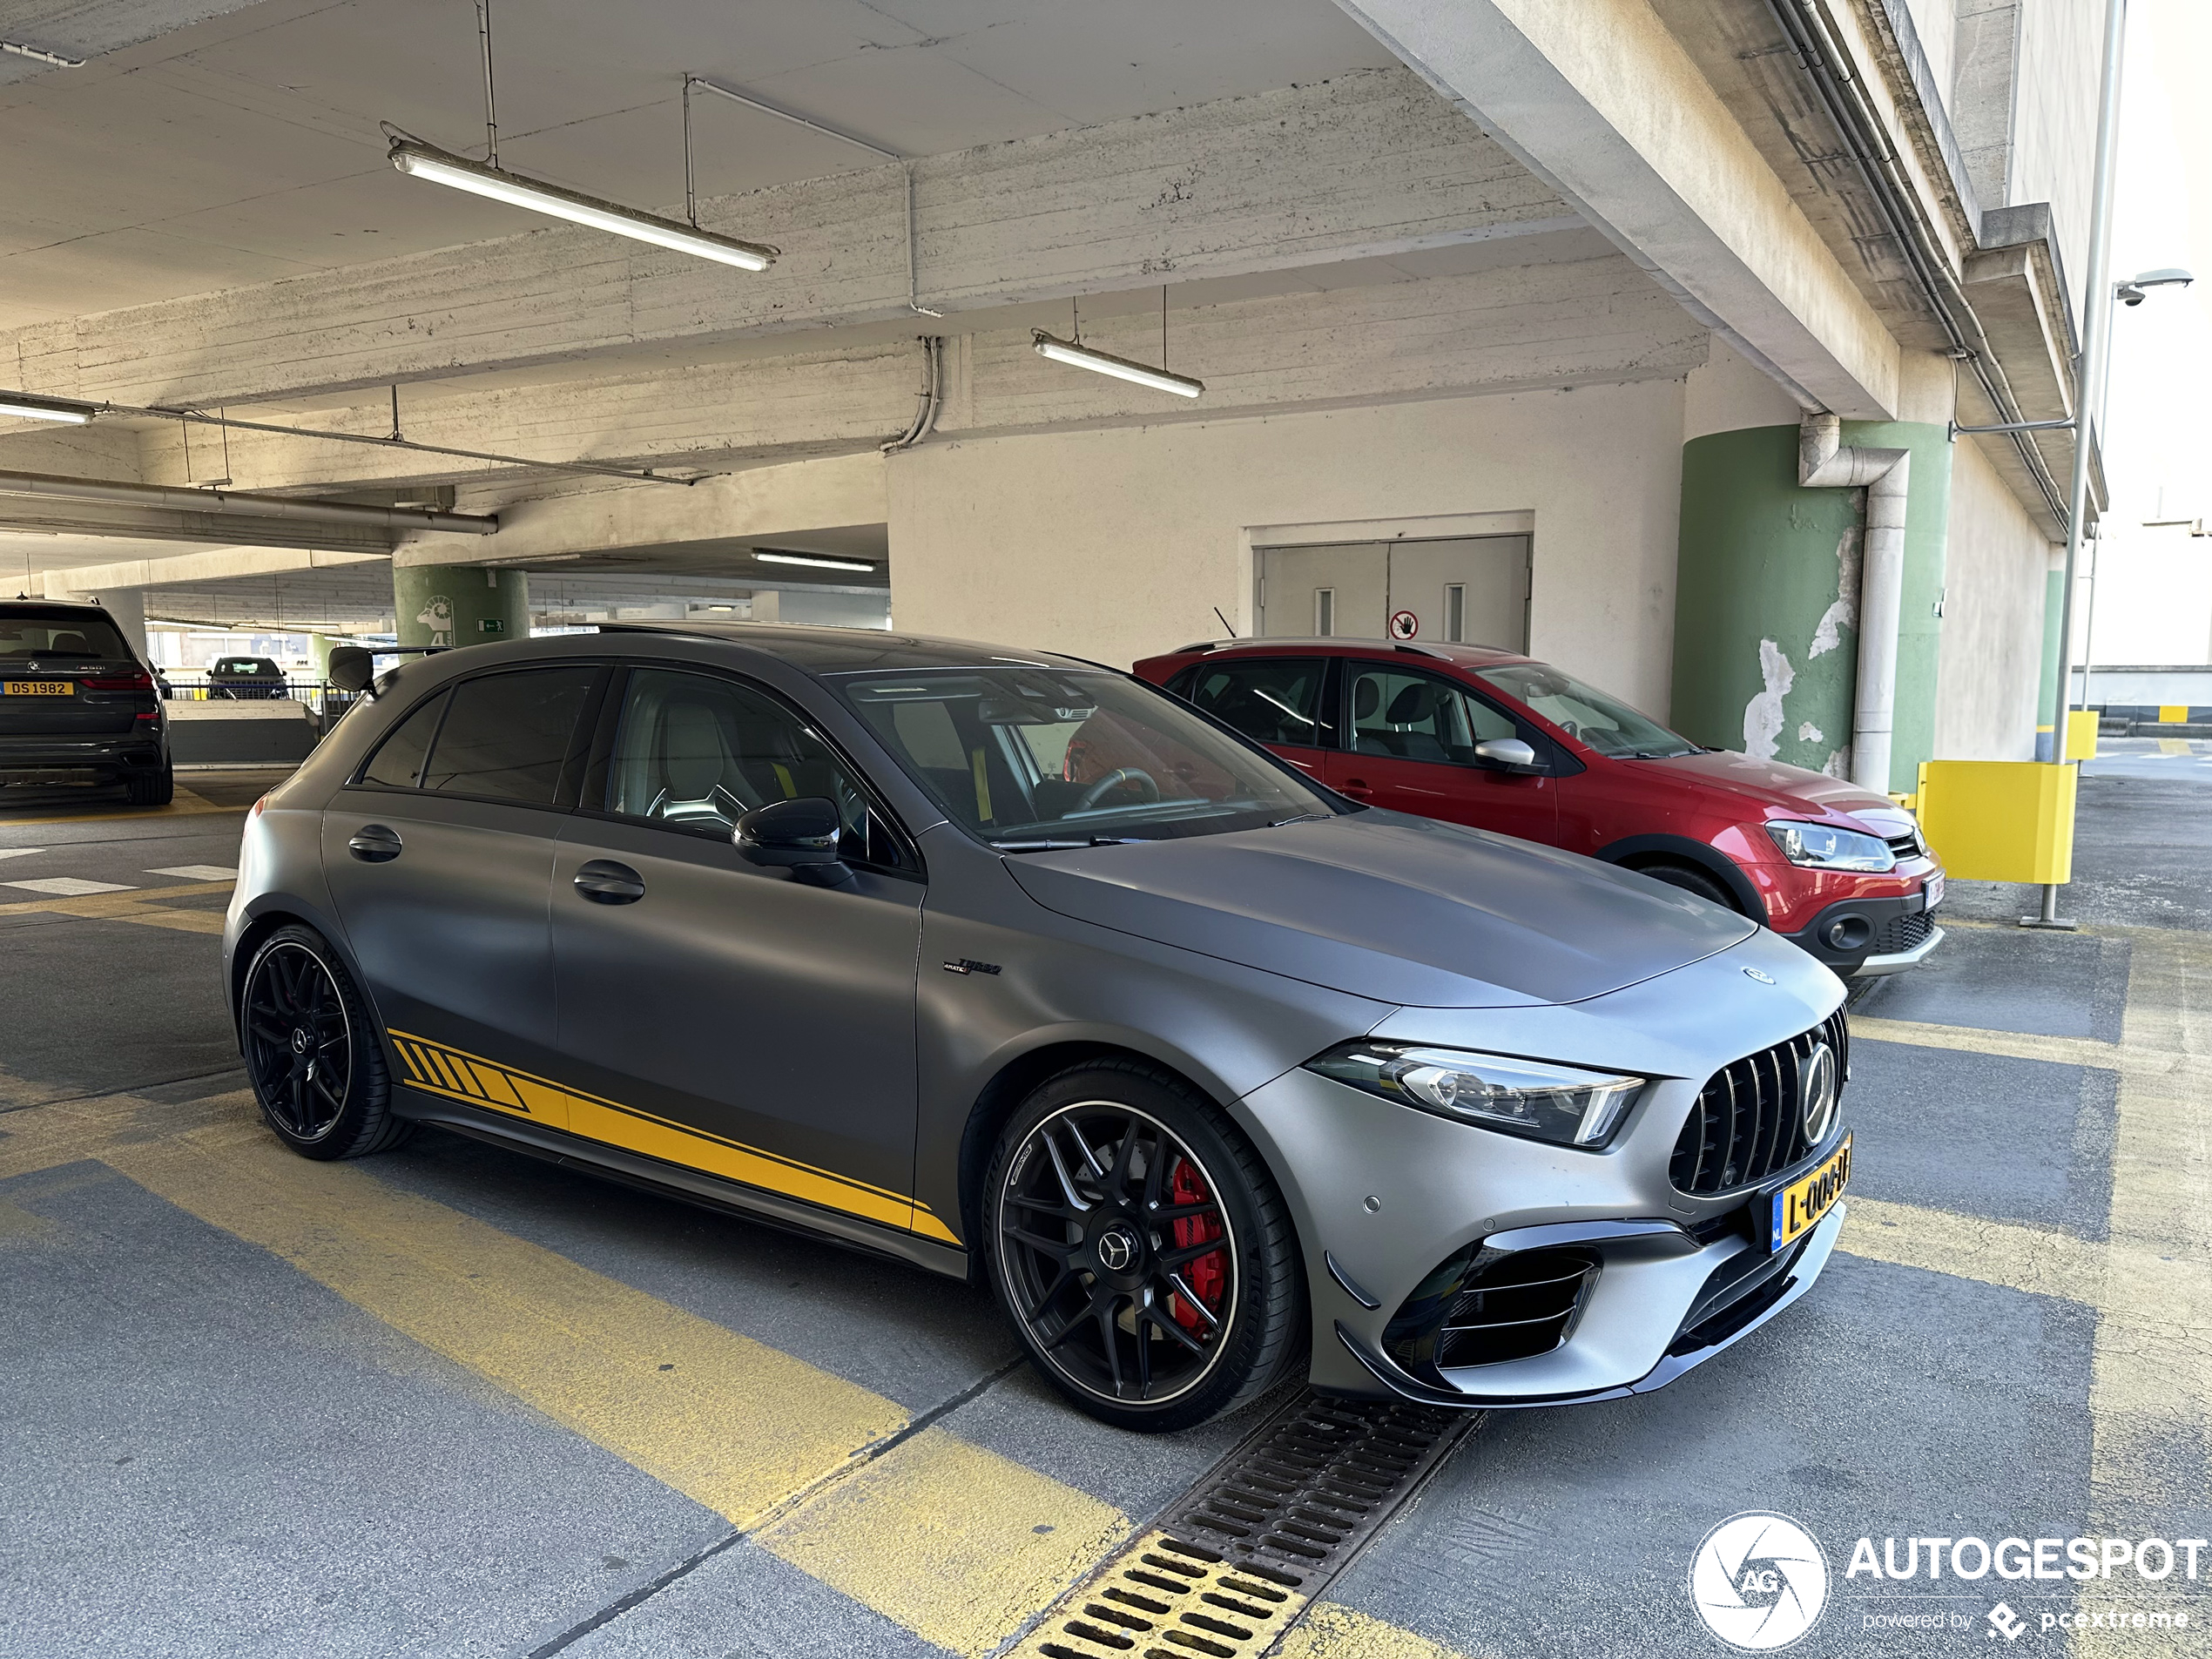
<point x="800" y="836"/>
<point x="1510" y="753"/>
<point x="352" y="669"/>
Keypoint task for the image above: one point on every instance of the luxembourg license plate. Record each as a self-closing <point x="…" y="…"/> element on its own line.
<point x="39" y="688"/>
<point x="1932" y="890"/>
<point x="1800" y="1206"/>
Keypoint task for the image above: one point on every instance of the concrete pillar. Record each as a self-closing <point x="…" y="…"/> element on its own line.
<point x="460" y="605"/>
<point x="2046" y="690"/>
<point x="126" y="605"/>
<point x="1767" y="592"/>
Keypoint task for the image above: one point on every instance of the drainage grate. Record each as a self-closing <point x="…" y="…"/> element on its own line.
<point x="1239" y="1556"/>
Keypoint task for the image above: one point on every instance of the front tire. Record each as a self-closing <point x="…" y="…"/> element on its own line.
<point x="1689" y="879"/>
<point x="1141" y="1249"/>
<point x="311" y="1050"/>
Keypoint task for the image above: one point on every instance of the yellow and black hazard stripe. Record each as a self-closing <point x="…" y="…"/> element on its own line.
<point x="439" y="1069"/>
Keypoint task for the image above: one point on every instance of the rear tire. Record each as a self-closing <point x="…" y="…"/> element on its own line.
<point x="312" y="1052"/>
<point x="1689" y="879"/>
<point x="1106" y="1185"/>
<point x="152" y="788"/>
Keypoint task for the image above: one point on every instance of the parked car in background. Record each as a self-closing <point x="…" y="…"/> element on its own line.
<point x="1502" y="742"/>
<point x="76" y="701"/>
<point x="1016" y="968"/>
<point x="245" y="678"/>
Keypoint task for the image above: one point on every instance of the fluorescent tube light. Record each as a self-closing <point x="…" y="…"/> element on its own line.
<point x="26" y="407"/>
<point x="1159" y="379"/>
<point x="815" y="559"/>
<point x="426" y="161"/>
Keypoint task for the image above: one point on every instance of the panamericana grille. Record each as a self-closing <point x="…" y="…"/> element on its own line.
<point x="1901" y="934"/>
<point x="1748" y="1120"/>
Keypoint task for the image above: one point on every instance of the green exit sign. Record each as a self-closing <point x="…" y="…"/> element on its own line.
<point x="491" y="626"/>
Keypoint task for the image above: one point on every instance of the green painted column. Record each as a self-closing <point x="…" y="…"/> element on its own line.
<point x="1766" y="609"/>
<point x="460" y="605"/>
<point x="2046" y="688"/>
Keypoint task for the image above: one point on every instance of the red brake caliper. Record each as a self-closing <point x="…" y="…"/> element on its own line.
<point x="1209" y="1275"/>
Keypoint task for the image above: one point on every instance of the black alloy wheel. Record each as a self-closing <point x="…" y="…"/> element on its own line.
<point x="310" y="1053"/>
<point x="1141" y="1249"/>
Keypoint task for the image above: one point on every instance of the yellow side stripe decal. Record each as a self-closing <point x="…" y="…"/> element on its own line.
<point x="460" y="1075"/>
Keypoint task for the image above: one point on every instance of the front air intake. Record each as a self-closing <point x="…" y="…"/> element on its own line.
<point x="1749" y="1119"/>
<point x="1485" y="1307"/>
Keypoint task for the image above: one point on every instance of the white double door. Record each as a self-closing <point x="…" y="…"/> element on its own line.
<point x="1468" y="589"/>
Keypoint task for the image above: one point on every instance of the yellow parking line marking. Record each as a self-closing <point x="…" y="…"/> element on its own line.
<point x="730" y="1422"/>
<point x="109" y="906"/>
<point x="181" y="921"/>
<point x="1333" y="1631"/>
<point x="2134" y="1056"/>
<point x="2150" y="1396"/>
<point x="958" y="1544"/>
<point x="185" y="805"/>
<point x="2034" y="1259"/>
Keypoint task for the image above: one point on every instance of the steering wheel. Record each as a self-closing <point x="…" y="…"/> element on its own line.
<point x="1114" y="780"/>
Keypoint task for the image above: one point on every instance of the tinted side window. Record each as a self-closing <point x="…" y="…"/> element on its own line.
<point x="1415" y="718"/>
<point x="507" y="736"/>
<point x="696" y="752"/>
<point x="398" y="759"/>
<point x="1268" y="701"/>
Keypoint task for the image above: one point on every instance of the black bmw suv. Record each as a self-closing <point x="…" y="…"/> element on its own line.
<point x="75" y="700"/>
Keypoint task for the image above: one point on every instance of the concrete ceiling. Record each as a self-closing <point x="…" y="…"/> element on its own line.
<point x="244" y="148"/>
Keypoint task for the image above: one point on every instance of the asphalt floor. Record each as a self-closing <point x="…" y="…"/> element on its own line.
<point x="453" y="1401"/>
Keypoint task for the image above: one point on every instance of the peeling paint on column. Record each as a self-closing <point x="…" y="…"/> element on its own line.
<point x="1808" y="732"/>
<point x="1763" y="714"/>
<point x="1844" y="612"/>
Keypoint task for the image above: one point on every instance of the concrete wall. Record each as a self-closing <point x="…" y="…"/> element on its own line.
<point x="1117" y="543"/>
<point x="1995" y="581"/>
<point x="2054" y="121"/>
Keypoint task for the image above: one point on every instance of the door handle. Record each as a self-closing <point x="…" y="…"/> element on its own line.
<point x="604" y="881"/>
<point x="375" y="844"/>
<point x="1355" y="787"/>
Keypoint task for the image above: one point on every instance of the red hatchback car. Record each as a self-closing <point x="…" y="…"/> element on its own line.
<point x="1502" y="742"/>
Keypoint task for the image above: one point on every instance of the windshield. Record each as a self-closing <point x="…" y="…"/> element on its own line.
<point x="1586" y="714"/>
<point x="1032" y="758"/>
<point x="58" y="634"/>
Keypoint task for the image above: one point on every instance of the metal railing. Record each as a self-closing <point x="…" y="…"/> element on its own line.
<point x="325" y="701"/>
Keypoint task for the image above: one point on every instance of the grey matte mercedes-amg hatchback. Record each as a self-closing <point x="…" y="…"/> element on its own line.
<point x="1017" y="969"/>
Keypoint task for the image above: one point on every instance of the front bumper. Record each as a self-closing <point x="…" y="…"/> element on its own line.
<point x="1870" y="935"/>
<point x="1385" y="1195"/>
<point x="1735" y="1298"/>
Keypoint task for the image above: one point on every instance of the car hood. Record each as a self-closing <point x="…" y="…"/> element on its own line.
<point x="1796" y="790"/>
<point x="1399" y="909"/>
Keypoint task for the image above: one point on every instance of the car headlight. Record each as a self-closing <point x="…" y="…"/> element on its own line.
<point x="1524" y="1097"/>
<point x="1823" y="846"/>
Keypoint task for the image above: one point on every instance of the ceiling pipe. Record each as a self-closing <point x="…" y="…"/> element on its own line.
<point x="178" y="499"/>
<point x="1824" y="463"/>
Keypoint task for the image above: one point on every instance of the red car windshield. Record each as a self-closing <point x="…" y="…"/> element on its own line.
<point x="1586" y="714"/>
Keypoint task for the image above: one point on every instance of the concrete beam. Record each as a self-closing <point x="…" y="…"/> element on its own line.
<point x="1601" y="101"/>
<point x="89" y="28"/>
<point x="1588" y="316"/>
<point x="40" y="515"/>
<point x="212" y="566"/>
<point x="1368" y="163"/>
<point x="759" y="502"/>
